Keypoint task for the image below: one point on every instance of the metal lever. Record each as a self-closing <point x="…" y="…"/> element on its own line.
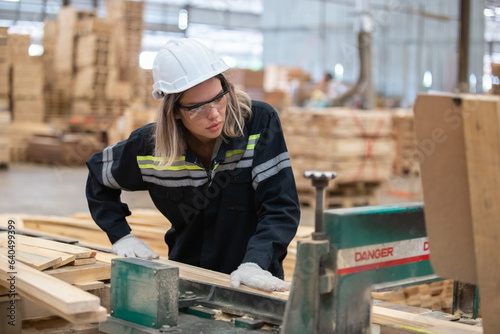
<point x="320" y="181"/>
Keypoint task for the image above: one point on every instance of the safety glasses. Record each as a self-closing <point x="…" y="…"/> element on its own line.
<point x="202" y="109"/>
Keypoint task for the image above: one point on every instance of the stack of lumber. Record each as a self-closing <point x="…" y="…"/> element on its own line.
<point x="57" y="97"/>
<point x="127" y="17"/>
<point x="147" y="225"/>
<point x="71" y="149"/>
<point x="44" y="254"/>
<point x="5" y="114"/>
<point x="80" y="64"/>
<point x="25" y="97"/>
<point x="495" y="72"/>
<point x="356" y="144"/>
<point x="27" y="81"/>
<point x="406" y="160"/>
<point x="30" y="261"/>
<point x="4" y="70"/>
<point x="96" y="69"/>
<point x="20" y="134"/>
<point x="4" y="138"/>
<point x="437" y="296"/>
<point x="27" y="91"/>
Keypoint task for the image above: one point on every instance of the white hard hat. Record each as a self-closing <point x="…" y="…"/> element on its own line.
<point x="183" y="63"/>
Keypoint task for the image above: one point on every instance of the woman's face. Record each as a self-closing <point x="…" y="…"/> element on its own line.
<point x="203" y="110"/>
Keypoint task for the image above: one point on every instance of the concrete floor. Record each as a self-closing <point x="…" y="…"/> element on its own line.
<point x="31" y="188"/>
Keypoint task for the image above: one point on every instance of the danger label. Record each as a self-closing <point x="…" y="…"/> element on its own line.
<point x="352" y="260"/>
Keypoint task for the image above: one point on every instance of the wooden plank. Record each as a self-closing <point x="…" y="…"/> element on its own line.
<point x="79" y="252"/>
<point x="78" y="274"/>
<point x="419" y="322"/>
<point x="59" y="297"/>
<point x="59" y="257"/>
<point x="482" y="145"/>
<point x="81" y="262"/>
<point x="91" y="285"/>
<point x="441" y="154"/>
<point x="65" y="257"/>
<point x="33" y="260"/>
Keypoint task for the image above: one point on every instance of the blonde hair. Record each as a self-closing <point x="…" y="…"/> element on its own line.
<point x="170" y="143"/>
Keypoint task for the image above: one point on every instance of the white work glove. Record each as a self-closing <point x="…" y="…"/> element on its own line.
<point x="252" y="275"/>
<point x="130" y="246"/>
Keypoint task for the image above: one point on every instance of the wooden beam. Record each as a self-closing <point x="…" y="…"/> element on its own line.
<point x="482" y="144"/>
<point x="79" y="274"/>
<point x="79" y="252"/>
<point x="33" y="260"/>
<point x="63" y="299"/>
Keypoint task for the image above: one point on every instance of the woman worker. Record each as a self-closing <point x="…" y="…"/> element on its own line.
<point x="216" y="166"/>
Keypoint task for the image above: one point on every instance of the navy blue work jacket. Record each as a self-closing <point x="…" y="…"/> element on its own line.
<point x="244" y="209"/>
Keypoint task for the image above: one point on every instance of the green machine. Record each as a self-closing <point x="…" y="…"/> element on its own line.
<point x="352" y="252"/>
<point x="365" y="248"/>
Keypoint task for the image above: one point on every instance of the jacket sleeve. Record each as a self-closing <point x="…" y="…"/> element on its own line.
<point x="110" y="171"/>
<point x="276" y="197"/>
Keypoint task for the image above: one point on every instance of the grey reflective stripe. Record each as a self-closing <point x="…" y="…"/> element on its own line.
<point x="183" y="173"/>
<point x="175" y="183"/>
<point x="244" y="163"/>
<point x="233" y="158"/>
<point x="107" y="162"/>
<point x="270" y="168"/>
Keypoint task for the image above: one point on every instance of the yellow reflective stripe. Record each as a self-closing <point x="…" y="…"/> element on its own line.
<point x="234" y="152"/>
<point x="151" y="157"/>
<point x="253" y="137"/>
<point x="182" y="167"/>
<point x="215" y="167"/>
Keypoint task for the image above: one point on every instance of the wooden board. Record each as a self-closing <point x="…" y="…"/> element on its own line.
<point x="33" y="260"/>
<point x="482" y="146"/>
<point x="59" y="297"/>
<point x="441" y="154"/>
<point x="79" y="274"/>
<point x="79" y="252"/>
<point x="419" y="323"/>
<point x="459" y="138"/>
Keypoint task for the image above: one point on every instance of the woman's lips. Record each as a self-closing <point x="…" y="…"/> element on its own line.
<point x="215" y="126"/>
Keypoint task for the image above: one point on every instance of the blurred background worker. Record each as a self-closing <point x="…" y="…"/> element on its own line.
<point x="215" y="164"/>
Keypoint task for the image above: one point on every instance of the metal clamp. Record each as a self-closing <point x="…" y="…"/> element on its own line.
<point x="320" y="181"/>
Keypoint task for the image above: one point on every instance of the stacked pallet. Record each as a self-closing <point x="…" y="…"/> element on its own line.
<point x="405" y="162"/>
<point x="4" y="138"/>
<point x="437" y="296"/>
<point x="20" y="134"/>
<point x="495" y="72"/>
<point x="5" y="115"/>
<point x="72" y="149"/>
<point x="356" y="144"/>
<point x="127" y="17"/>
<point x="26" y="81"/>
<point x="4" y="70"/>
<point x="96" y="70"/>
<point x="57" y="97"/>
<point x="27" y="91"/>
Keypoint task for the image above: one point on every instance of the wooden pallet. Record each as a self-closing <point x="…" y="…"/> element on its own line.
<point x="343" y="195"/>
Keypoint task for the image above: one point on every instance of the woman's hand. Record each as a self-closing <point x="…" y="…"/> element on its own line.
<point x="254" y="276"/>
<point x="130" y="246"/>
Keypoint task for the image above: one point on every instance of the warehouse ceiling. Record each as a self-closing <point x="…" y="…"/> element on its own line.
<point x="230" y="27"/>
